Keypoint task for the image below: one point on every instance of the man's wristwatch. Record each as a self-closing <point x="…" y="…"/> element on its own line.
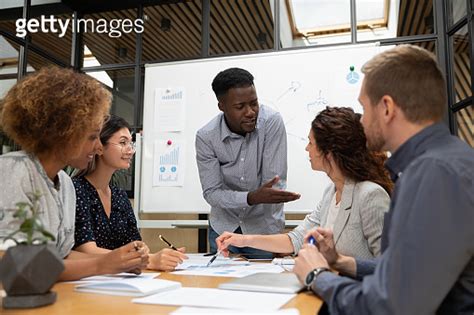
<point x="312" y="276"/>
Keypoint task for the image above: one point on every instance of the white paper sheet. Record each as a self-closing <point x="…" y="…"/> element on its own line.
<point x="129" y="287"/>
<point x="115" y="277"/>
<point x="235" y="269"/>
<point x="169" y="109"/>
<point x="204" y="297"/>
<point x="168" y="164"/>
<point x="185" y="310"/>
<point x="196" y="261"/>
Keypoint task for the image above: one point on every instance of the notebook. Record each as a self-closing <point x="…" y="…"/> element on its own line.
<point x="129" y="287"/>
<point x="265" y="282"/>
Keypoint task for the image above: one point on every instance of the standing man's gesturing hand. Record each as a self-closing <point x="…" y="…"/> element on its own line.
<point x="267" y="194"/>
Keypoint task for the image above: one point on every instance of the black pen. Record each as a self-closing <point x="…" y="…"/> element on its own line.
<point x="167" y="243"/>
<point x="213" y="258"/>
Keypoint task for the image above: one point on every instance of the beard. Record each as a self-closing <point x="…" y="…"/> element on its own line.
<point x="375" y="139"/>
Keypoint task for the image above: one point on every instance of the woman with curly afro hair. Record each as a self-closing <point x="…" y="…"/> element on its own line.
<point x="56" y="115"/>
<point x="353" y="205"/>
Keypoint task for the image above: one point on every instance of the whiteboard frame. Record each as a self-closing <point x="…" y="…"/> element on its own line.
<point x="139" y="165"/>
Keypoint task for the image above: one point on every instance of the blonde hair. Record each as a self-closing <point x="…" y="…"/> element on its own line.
<point x="412" y="77"/>
<point x="53" y="108"/>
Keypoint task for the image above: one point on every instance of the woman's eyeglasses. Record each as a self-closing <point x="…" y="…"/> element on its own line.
<point x="126" y="146"/>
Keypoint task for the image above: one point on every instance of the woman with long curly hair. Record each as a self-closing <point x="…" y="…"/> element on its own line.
<point x="56" y="115"/>
<point x="353" y="205"/>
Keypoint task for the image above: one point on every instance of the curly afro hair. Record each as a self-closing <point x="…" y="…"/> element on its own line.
<point x="53" y="109"/>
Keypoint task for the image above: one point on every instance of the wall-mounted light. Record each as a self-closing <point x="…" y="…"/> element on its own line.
<point x="262" y="38"/>
<point x="122" y="52"/>
<point x="165" y="24"/>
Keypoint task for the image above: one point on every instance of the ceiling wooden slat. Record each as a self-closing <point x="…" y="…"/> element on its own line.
<point x="223" y="17"/>
<point x="244" y="25"/>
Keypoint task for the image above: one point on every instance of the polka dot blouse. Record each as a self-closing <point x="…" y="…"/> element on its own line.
<point x="92" y="223"/>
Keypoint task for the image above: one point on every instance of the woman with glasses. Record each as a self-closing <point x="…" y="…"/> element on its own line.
<point x="104" y="216"/>
<point x="55" y="115"/>
<point x="352" y="206"/>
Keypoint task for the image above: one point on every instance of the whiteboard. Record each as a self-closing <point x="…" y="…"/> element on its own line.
<point x="296" y="83"/>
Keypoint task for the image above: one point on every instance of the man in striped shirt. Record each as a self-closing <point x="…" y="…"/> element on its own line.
<point x="242" y="160"/>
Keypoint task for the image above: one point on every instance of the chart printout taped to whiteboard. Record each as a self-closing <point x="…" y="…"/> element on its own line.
<point x="169" y="109"/>
<point x="168" y="168"/>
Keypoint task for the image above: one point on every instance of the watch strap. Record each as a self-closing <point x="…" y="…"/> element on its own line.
<point x="316" y="272"/>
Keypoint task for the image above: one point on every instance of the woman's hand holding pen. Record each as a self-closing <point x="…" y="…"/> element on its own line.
<point x="131" y="257"/>
<point x="167" y="259"/>
<point x="226" y="239"/>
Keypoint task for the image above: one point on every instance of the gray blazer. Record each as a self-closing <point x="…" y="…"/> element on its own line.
<point x="359" y="223"/>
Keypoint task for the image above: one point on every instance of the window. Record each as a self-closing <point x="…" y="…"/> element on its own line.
<point x="323" y="17"/>
<point x="8" y="65"/>
<point x="465" y="124"/>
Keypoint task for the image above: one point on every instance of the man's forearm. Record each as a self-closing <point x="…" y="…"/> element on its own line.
<point x="345" y="265"/>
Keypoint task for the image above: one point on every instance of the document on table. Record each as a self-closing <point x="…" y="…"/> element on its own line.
<point x="185" y="310"/>
<point x="129" y="287"/>
<point x="235" y="269"/>
<point x="115" y="277"/>
<point x="205" y="297"/>
<point x="196" y="261"/>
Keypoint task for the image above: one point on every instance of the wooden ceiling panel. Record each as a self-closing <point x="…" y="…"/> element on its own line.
<point x="415" y="17"/>
<point x="240" y="26"/>
<point x="110" y="50"/>
<point x="183" y="38"/>
<point x="235" y="26"/>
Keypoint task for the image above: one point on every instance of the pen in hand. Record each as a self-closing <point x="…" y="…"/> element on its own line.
<point x="166" y="242"/>
<point x="213" y="258"/>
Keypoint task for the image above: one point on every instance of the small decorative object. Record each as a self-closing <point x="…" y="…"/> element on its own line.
<point x="352" y="77"/>
<point x="30" y="269"/>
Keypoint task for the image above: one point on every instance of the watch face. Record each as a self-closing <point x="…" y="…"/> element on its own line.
<point x="309" y="278"/>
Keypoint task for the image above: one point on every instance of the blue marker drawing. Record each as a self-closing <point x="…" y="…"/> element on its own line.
<point x="162" y="169"/>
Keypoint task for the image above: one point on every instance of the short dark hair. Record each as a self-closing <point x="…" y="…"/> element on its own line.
<point x="231" y="78"/>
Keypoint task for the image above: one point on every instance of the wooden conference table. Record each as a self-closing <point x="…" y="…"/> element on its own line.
<point x="72" y="303"/>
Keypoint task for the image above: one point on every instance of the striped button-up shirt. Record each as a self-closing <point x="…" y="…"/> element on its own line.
<point x="231" y="165"/>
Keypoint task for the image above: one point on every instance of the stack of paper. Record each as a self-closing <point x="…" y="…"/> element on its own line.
<point x="115" y="277"/>
<point x="129" y="287"/>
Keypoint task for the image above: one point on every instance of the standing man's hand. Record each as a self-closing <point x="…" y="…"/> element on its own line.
<point x="267" y="194"/>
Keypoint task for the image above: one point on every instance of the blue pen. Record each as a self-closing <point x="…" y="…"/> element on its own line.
<point x="312" y="240"/>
